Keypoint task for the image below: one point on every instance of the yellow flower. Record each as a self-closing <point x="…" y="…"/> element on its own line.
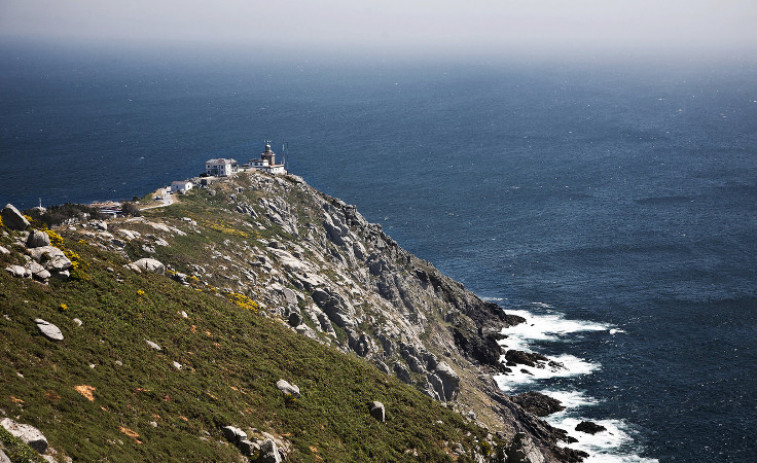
<point x="140" y="292"/>
<point x="63" y="307"/>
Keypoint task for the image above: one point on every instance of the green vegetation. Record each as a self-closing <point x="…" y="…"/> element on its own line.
<point x="96" y="394"/>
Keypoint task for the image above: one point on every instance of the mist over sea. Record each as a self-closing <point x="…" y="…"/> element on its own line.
<point x="615" y="205"/>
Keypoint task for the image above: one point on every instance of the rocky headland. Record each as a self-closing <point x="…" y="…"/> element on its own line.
<point x="315" y="267"/>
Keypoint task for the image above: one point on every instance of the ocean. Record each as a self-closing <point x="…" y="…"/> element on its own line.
<point x="614" y="204"/>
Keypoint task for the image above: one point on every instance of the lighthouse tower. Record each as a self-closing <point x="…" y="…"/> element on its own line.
<point x="268" y="154"/>
<point x="267" y="162"/>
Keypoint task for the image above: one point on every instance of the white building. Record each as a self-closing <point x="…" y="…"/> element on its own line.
<point x="181" y="186"/>
<point x="267" y="162"/>
<point x="221" y="167"/>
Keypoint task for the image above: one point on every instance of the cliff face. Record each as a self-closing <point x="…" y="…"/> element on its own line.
<point x="316" y="264"/>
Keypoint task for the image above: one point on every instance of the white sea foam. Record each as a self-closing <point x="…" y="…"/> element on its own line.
<point x="571" y="399"/>
<point x="550" y="327"/>
<point x="611" y="446"/>
<point x="616" y="444"/>
<point x="565" y="365"/>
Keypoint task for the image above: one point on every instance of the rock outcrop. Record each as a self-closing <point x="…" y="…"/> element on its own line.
<point x="13" y="219"/>
<point x="30" y="435"/>
<point x="538" y="403"/>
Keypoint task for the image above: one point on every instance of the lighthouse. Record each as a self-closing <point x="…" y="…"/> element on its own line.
<point x="267" y="162"/>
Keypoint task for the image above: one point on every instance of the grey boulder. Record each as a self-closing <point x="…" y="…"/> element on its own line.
<point x="233" y="434"/>
<point x="49" y="330"/>
<point x="147" y="265"/>
<point x="269" y="452"/>
<point x="52" y="258"/>
<point x="30" y="435"/>
<point x="37" y="239"/>
<point x="378" y="411"/>
<point x="18" y="271"/>
<point x="288" y="389"/>
<point x="13" y="219"/>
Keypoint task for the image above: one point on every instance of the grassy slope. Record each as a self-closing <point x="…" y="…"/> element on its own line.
<point x="231" y="360"/>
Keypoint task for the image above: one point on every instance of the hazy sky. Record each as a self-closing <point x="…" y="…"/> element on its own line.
<point x="464" y="25"/>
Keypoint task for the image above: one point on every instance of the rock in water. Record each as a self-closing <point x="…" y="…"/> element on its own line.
<point x="30" y="435"/>
<point x="589" y="428"/>
<point x="378" y="411"/>
<point x="13" y="219"/>
<point x="49" y="330"/>
<point x="538" y="403"/>
<point x="37" y="239"/>
<point x="287" y="388"/>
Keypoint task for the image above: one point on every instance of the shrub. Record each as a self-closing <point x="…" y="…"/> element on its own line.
<point x="129" y="208"/>
<point x="57" y="215"/>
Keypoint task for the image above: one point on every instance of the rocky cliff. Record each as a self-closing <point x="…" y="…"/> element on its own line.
<point x="314" y="263"/>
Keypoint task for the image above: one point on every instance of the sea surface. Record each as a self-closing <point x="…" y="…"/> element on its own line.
<point x="613" y="204"/>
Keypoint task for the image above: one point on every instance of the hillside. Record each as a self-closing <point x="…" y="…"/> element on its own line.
<point x="251" y="280"/>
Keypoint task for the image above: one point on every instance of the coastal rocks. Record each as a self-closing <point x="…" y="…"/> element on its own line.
<point x="30" y="435"/>
<point x="37" y="239"/>
<point x="378" y="411"/>
<point x="288" y="389"/>
<point x="518" y="357"/>
<point x="523" y="450"/>
<point x="589" y="427"/>
<point x="334" y="225"/>
<point x="13" y="219"/>
<point x="538" y="403"/>
<point x="147" y="265"/>
<point x="49" y="330"/>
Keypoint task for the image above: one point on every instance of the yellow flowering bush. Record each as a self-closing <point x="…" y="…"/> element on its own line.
<point x="140" y="293"/>
<point x="55" y="239"/>
<point x="244" y="302"/>
<point x="224" y="228"/>
<point x="63" y="307"/>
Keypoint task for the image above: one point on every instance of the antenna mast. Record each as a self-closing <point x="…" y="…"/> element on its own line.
<point x="285" y="154"/>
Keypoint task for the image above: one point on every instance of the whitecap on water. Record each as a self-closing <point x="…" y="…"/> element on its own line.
<point x="560" y="366"/>
<point x="550" y="327"/>
<point x="614" y="445"/>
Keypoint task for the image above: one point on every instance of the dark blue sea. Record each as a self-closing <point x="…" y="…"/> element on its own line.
<point x="613" y="202"/>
